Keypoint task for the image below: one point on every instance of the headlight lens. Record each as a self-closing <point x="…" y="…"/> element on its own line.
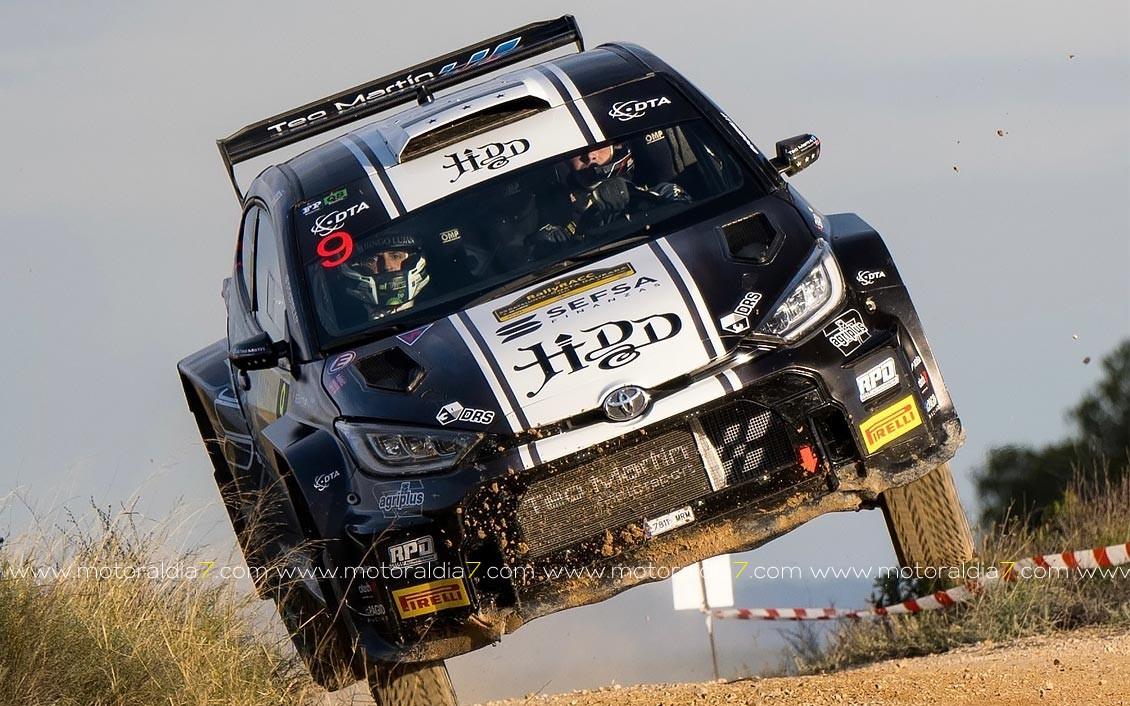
<point x="396" y="450"/>
<point x="815" y="296"/>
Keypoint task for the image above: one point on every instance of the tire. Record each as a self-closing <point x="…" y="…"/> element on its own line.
<point x="926" y="522"/>
<point x="412" y="684"/>
<point x="324" y="650"/>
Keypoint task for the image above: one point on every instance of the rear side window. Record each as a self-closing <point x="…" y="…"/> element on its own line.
<point x="245" y="252"/>
<point x="269" y="299"/>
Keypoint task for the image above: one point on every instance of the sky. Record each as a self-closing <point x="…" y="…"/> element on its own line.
<point x="988" y="142"/>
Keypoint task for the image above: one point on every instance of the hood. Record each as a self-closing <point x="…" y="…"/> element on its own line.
<point x="556" y="349"/>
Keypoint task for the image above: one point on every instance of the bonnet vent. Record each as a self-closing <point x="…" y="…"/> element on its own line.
<point x="391" y="370"/>
<point x="751" y="238"/>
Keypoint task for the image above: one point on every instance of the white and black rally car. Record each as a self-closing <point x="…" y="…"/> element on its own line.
<point x="566" y="316"/>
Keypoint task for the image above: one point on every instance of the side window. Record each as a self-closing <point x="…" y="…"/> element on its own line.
<point x="245" y="253"/>
<point x="270" y="302"/>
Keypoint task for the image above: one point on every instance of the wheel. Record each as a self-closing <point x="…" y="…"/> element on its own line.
<point x="326" y="652"/>
<point x="411" y="684"/>
<point x="926" y="522"/>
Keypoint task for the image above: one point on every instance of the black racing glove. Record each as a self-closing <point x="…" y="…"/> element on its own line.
<point x="670" y="192"/>
<point x="551" y="233"/>
<point x="611" y="195"/>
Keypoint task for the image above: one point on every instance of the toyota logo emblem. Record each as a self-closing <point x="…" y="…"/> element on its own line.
<point x="626" y="403"/>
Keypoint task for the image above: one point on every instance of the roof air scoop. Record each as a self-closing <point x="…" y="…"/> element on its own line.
<point x="466" y="123"/>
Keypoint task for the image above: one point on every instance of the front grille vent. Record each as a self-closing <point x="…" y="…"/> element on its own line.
<point x="644" y="480"/>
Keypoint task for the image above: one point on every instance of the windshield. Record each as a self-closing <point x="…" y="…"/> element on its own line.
<point x="365" y="272"/>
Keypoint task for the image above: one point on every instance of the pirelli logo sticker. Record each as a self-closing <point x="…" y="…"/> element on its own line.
<point x="559" y="289"/>
<point x="890" y="423"/>
<point x="430" y="598"/>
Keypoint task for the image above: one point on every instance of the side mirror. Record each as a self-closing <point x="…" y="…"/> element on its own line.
<point x="796" y="153"/>
<point x="258" y="352"/>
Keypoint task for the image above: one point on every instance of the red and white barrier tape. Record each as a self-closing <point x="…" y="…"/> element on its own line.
<point x="1103" y="557"/>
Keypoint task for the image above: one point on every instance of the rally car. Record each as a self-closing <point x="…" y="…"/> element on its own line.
<point x="566" y="316"/>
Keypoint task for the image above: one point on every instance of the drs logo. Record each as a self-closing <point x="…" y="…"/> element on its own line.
<point x="456" y="412"/>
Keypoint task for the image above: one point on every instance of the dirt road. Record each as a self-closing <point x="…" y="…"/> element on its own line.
<point x="1090" y="668"/>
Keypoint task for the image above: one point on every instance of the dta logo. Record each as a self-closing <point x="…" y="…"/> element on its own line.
<point x="868" y="277"/>
<point x="334" y="220"/>
<point x="323" y="481"/>
<point x="630" y="110"/>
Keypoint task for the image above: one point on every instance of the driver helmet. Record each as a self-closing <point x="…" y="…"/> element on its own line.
<point x="594" y="165"/>
<point x="387" y="272"/>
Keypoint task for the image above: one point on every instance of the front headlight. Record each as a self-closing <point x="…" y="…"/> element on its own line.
<point x="816" y="294"/>
<point x="396" y="450"/>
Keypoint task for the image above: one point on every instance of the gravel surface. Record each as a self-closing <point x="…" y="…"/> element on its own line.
<point x="1087" y="668"/>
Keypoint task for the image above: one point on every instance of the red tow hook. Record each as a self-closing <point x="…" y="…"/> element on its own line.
<point x="808" y="459"/>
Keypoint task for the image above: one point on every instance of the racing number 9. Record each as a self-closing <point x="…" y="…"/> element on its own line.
<point x="335" y="248"/>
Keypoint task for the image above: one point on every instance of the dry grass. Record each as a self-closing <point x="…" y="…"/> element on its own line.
<point x="1093" y="513"/>
<point x="84" y="640"/>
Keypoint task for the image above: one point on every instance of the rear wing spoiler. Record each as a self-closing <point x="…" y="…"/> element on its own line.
<point x="415" y="83"/>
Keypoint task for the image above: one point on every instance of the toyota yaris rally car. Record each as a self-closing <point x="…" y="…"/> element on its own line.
<point x="567" y="316"/>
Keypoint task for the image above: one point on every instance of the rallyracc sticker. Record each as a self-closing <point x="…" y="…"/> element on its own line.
<point x="563" y="288"/>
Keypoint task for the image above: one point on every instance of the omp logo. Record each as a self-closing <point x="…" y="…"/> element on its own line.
<point x="889" y="424"/>
<point x="492" y="156"/>
<point x="877" y="380"/>
<point x="421" y="550"/>
<point x="430" y="598"/>
<point x="630" y="110"/>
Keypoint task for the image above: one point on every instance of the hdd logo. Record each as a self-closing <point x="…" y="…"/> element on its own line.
<point x="421" y="550"/>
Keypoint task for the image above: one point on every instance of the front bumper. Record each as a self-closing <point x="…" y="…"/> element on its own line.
<point x="495" y="545"/>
